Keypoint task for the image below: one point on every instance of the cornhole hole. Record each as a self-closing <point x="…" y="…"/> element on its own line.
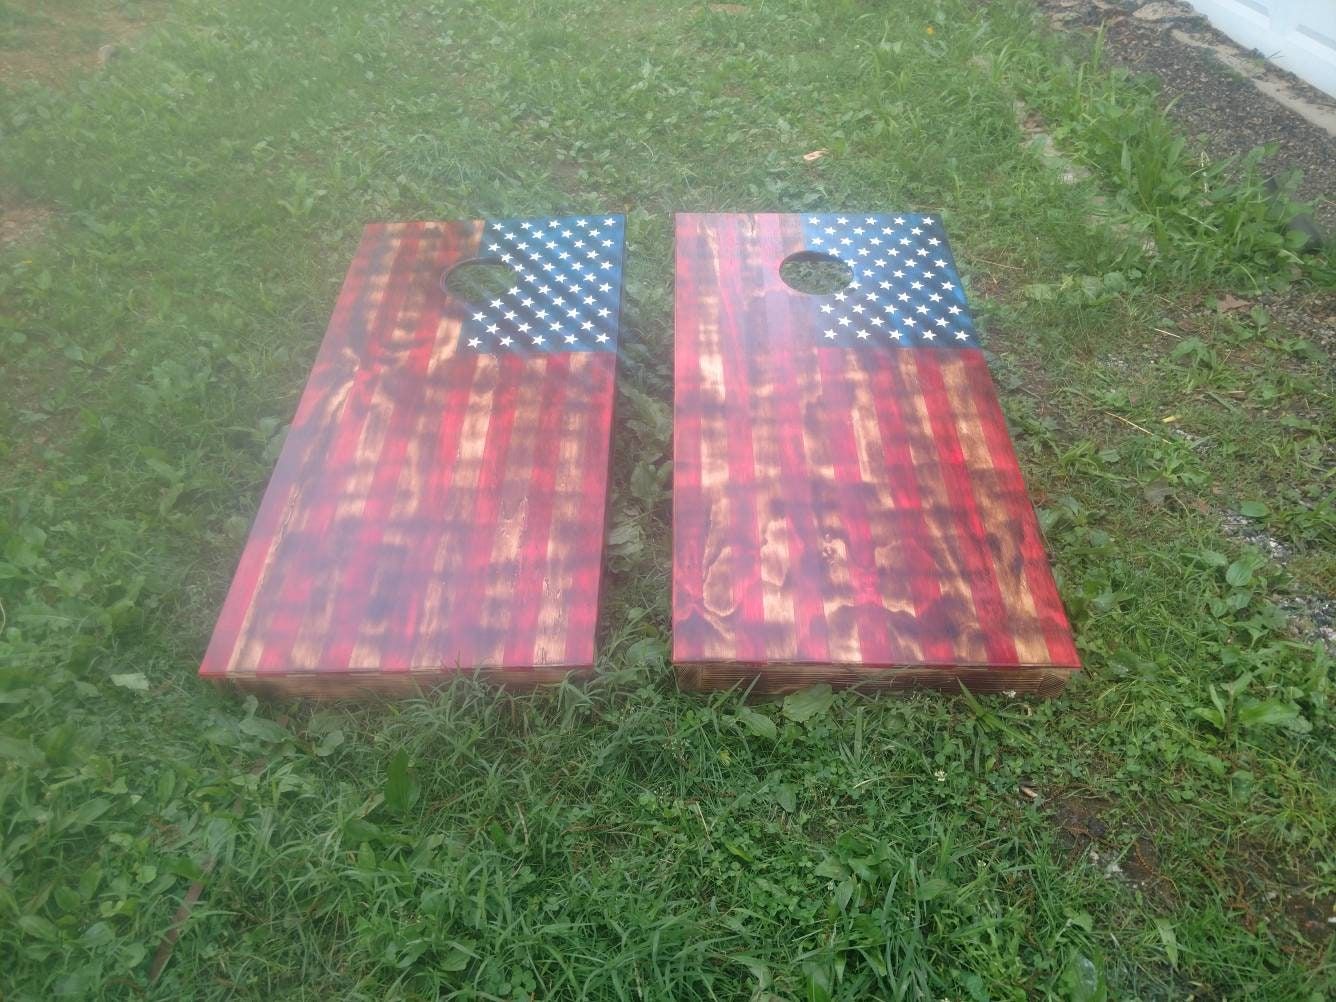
<point x="847" y="507"/>
<point x="438" y="504"/>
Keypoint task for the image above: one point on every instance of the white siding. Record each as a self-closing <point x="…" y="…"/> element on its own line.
<point x="1297" y="35"/>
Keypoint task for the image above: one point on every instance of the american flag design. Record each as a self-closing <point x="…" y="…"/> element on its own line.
<point x="438" y="505"/>
<point x="848" y="506"/>
<point x="904" y="289"/>
<point x="568" y="286"/>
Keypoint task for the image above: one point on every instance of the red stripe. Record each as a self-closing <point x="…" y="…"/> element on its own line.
<point x="302" y="589"/>
<point x="365" y="563"/>
<point x="689" y="631"/>
<point x="748" y="618"/>
<point x="245" y="582"/>
<point x="970" y="531"/>
<point x="472" y="580"/>
<point x="837" y="420"/>
<point x="587" y="544"/>
<point x="530" y="581"/>
<point x="933" y="636"/>
<point x="1038" y="576"/>
<point x="784" y="326"/>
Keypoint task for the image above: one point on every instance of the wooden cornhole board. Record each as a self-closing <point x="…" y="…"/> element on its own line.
<point x="847" y="503"/>
<point x="438" y="505"/>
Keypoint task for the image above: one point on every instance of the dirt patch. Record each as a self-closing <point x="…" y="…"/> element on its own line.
<point x="1228" y="99"/>
<point x="46" y="43"/>
<point x="23" y="223"/>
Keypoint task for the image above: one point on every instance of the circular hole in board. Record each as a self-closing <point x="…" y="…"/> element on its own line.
<point x="479" y="280"/>
<point x="815" y="274"/>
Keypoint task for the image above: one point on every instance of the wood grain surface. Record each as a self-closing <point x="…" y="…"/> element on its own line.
<point x="854" y="512"/>
<point x="436" y="509"/>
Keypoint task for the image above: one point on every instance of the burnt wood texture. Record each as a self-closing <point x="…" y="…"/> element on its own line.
<point x="847" y="505"/>
<point x="438" y="505"/>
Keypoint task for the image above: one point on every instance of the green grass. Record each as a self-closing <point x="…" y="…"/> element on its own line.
<point x="1162" y="831"/>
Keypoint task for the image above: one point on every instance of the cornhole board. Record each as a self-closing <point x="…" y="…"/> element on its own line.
<point x="847" y="504"/>
<point x="438" y="505"/>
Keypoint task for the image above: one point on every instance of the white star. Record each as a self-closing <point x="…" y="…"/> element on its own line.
<point x="826" y="308"/>
<point x="554" y="328"/>
<point x="582" y="222"/>
<point x="916" y="285"/>
<point x="491" y="328"/>
<point x="921" y="309"/>
<point x="875" y="241"/>
<point x="935" y="298"/>
<point x="509" y="314"/>
<point x="953" y="310"/>
<point x="813" y="220"/>
<point x="948" y="286"/>
<point x="474" y="342"/>
<point x="543" y="290"/>
<point x="871" y="297"/>
<point x="841" y="220"/>
<point x="916" y="231"/>
<point x="605" y="264"/>
<point x="908" y="321"/>
<point x="903" y="297"/>
<point x="609" y="222"/>
<point x="523" y="328"/>
<point x="859" y="231"/>
<point x="962" y="336"/>
<point x="871" y="220"/>
<point x="588" y="300"/>
<point x="830" y="333"/>
<point x="927" y="220"/>
<point x="605" y="287"/>
<point x="506" y="342"/>
<point x="929" y="336"/>
<point x="940" y="263"/>
<point x="588" y="325"/>
<point x="877" y="321"/>
<point x="525" y="226"/>
<point x="940" y="321"/>
<point x="858" y="307"/>
<point x="899" y="220"/>
<point x="601" y="338"/>
<point x="604" y="312"/>
<point x="863" y="335"/>
<point x="538" y="339"/>
<point x="817" y="240"/>
<point x="507" y="258"/>
<point x="540" y="314"/>
<point x="843" y="321"/>
<point x="841" y="296"/>
<point x="569" y="339"/>
<point x="480" y="316"/>
<point x="552" y="224"/>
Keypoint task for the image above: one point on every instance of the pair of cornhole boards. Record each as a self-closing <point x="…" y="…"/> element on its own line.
<point x="847" y="503"/>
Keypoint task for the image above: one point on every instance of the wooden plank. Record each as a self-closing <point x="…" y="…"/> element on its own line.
<point x="847" y="505"/>
<point x="438" y="505"/>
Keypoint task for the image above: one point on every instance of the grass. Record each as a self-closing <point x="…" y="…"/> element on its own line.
<point x="1162" y="831"/>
